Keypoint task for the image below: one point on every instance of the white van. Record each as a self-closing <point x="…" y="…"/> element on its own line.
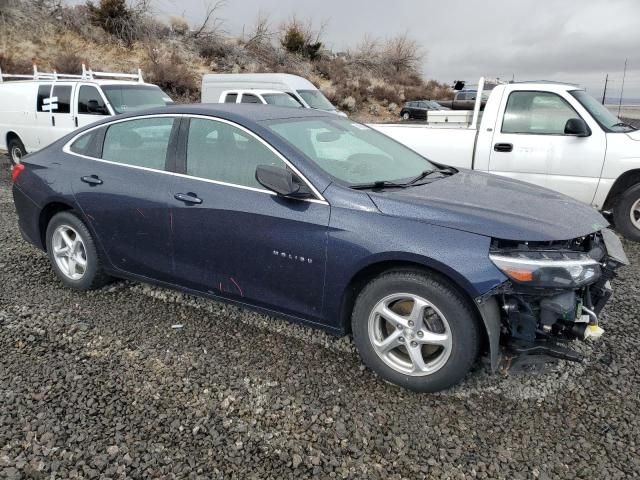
<point x="36" y="110"/>
<point x="215" y="84"/>
<point x="266" y="97"/>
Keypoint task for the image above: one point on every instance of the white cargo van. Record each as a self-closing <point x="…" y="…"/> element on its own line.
<point x="36" y="110"/>
<point x="215" y="84"/>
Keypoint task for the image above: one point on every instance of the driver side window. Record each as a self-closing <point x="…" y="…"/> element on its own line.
<point x="90" y="101"/>
<point x="537" y="113"/>
<point x="224" y="153"/>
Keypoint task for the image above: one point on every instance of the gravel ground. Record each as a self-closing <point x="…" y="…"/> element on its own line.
<point x="99" y="385"/>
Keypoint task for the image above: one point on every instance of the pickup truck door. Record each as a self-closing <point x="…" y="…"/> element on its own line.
<point x="54" y="112"/>
<point x="529" y="144"/>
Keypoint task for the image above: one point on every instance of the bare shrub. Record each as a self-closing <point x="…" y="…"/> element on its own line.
<point x="300" y="38"/>
<point x="175" y="77"/>
<point x="69" y="63"/>
<point x="384" y="93"/>
<point x="211" y="23"/>
<point x="179" y="25"/>
<point x="17" y="66"/>
<point x="402" y="53"/>
<point x="260" y="35"/>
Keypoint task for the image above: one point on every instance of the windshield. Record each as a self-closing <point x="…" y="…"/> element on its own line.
<point x="127" y="98"/>
<point x="351" y="152"/>
<point x="280" y="99"/>
<point x="600" y="113"/>
<point x="315" y="99"/>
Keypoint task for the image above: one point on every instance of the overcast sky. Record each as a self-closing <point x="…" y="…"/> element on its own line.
<point x="574" y="41"/>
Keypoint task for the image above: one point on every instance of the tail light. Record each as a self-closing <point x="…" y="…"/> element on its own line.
<point x="15" y="173"/>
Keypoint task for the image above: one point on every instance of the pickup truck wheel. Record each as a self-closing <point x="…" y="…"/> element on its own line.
<point x="16" y="151"/>
<point x="415" y="330"/>
<point x="626" y="214"/>
<point x="72" y="253"/>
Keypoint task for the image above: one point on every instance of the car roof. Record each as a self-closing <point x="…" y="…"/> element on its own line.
<point x="237" y="112"/>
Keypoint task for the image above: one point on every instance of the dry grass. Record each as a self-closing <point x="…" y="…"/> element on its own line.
<point x="371" y="82"/>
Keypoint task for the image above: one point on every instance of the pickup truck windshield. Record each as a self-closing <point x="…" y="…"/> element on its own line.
<point x="127" y="98"/>
<point x="315" y="99"/>
<point x="350" y="151"/>
<point x="280" y="99"/>
<point x="600" y="113"/>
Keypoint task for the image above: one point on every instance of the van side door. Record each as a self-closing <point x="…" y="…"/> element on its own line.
<point x="54" y="111"/>
<point x="90" y="105"/>
<point x="530" y="144"/>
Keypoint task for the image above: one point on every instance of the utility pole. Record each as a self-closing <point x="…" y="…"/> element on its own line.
<point x="604" y="94"/>
<point x="622" y="89"/>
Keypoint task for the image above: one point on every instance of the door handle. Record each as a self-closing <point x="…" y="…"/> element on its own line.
<point x="503" y="147"/>
<point x="75" y="120"/>
<point x="53" y="121"/>
<point x="188" y="198"/>
<point x="91" y="180"/>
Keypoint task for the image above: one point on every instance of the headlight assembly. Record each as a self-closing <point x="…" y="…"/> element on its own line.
<point x="548" y="269"/>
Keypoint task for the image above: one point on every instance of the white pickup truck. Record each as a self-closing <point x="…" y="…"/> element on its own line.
<point x="553" y="135"/>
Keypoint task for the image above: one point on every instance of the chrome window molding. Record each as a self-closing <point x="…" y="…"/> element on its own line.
<point x="319" y="198"/>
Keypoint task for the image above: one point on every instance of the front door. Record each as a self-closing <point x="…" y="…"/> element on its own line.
<point x="235" y="239"/>
<point x="90" y="105"/>
<point x="124" y="193"/>
<point x="530" y="144"/>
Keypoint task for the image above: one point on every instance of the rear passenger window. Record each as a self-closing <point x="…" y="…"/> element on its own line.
<point x="140" y="143"/>
<point x="248" y="98"/>
<point x="59" y="102"/>
<point x="222" y="152"/>
<point x="87" y="144"/>
<point x="44" y="91"/>
<point x="231" y="98"/>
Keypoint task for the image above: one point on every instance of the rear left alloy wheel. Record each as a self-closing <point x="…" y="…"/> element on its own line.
<point x="72" y="253"/>
<point x="414" y="329"/>
<point x="16" y="151"/>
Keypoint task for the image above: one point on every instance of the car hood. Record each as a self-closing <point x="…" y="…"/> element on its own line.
<point x="494" y="206"/>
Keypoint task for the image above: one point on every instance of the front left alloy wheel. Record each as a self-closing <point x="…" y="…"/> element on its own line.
<point x="72" y="253"/>
<point x="416" y="330"/>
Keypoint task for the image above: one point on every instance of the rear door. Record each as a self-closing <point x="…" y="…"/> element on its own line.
<point x="54" y="111"/>
<point x="122" y="187"/>
<point x="235" y="239"/>
<point x="530" y="144"/>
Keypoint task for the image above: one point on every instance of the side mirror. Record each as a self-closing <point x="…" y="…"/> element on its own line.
<point x="577" y="127"/>
<point x="277" y="179"/>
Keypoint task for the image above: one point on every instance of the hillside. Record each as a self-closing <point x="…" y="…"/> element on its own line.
<point x="370" y="81"/>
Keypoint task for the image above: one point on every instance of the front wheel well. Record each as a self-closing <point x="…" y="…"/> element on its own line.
<point x="624" y="182"/>
<point x="364" y="276"/>
<point x="46" y="215"/>
<point x="12" y="135"/>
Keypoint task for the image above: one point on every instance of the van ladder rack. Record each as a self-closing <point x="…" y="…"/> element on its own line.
<point x="87" y="74"/>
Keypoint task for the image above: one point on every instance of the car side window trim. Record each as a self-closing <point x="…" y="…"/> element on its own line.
<point x="183" y="146"/>
<point x="180" y="152"/>
<point x="504" y="110"/>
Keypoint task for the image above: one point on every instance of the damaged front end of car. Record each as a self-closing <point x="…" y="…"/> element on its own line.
<point x="554" y="294"/>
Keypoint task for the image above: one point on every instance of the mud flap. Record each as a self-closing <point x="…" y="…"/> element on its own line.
<point x="490" y="313"/>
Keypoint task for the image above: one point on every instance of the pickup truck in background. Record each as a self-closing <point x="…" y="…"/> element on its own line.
<point x="464" y="100"/>
<point x="553" y="135"/>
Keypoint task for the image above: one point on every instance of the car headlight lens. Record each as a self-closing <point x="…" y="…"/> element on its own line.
<point x="548" y="269"/>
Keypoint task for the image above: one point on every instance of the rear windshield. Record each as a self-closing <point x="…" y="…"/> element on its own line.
<point x="128" y="98"/>
<point x="315" y="99"/>
<point x="280" y="99"/>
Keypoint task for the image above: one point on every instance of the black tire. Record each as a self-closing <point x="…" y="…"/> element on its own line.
<point x="622" y="213"/>
<point x="16" y="150"/>
<point x="406" y="116"/>
<point x="93" y="276"/>
<point x="464" y="329"/>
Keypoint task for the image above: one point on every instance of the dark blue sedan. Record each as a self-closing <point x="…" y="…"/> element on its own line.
<point x="324" y="221"/>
